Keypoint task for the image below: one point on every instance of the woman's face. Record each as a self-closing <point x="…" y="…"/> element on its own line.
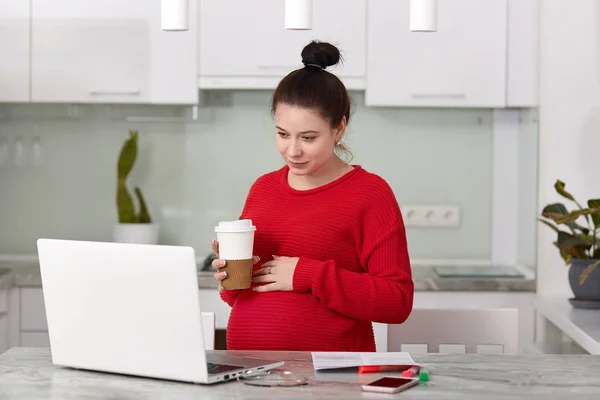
<point x="305" y="140"/>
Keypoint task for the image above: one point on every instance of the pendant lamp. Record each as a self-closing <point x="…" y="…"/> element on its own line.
<point x="423" y="15"/>
<point x="175" y="15"/>
<point x="298" y="14"/>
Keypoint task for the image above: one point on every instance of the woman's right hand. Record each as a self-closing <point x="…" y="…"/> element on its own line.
<point x="218" y="263"/>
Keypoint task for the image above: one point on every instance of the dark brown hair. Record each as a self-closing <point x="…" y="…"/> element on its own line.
<point x="313" y="87"/>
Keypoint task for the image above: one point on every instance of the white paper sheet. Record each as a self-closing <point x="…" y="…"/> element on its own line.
<point x="333" y="360"/>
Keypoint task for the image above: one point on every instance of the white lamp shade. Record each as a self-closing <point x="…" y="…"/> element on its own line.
<point x="423" y="15"/>
<point x="298" y="14"/>
<point x="175" y="15"/>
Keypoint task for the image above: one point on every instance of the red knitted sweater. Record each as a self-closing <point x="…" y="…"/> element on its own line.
<point x="354" y="267"/>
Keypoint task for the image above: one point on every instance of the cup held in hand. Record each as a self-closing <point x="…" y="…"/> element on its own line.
<point x="239" y="274"/>
<point x="236" y="243"/>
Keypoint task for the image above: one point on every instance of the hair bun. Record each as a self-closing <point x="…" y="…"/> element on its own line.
<point x="321" y="54"/>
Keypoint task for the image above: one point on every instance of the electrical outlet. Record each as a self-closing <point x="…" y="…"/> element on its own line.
<point x="430" y="216"/>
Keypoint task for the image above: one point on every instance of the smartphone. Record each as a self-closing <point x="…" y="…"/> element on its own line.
<point x="390" y="384"/>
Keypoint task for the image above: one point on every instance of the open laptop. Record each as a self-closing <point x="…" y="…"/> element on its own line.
<point x="130" y="309"/>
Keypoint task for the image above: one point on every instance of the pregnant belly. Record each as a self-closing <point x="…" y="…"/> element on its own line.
<point x="291" y="321"/>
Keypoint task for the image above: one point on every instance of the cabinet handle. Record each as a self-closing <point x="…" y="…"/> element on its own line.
<point x="115" y="92"/>
<point x="438" y="96"/>
<point x="156" y="119"/>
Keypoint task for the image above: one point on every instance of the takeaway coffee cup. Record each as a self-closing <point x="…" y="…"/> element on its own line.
<point x="236" y="242"/>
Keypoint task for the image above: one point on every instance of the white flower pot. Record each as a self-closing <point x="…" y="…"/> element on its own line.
<point x="136" y="233"/>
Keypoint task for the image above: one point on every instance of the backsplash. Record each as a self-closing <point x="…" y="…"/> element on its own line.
<point x="195" y="173"/>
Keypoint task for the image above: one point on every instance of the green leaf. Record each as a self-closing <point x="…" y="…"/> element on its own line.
<point x="128" y="155"/>
<point x="143" y="217"/>
<point x="555" y="209"/>
<point x="567" y="240"/>
<point x="554" y="227"/>
<point x="595" y="204"/>
<point x="572" y="245"/>
<point x="590" y="268"/>
<point x="125" y="205"/>
<point x="573" y="252"/>
<point x="589" y="238"/>
<point x="560" y="189"/>
<point x="560" y="215"/>
<point x="574" y="215"/>
<point x="565" y="256"/>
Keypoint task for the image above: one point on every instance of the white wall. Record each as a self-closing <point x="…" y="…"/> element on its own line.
<point x="569" y="119"/>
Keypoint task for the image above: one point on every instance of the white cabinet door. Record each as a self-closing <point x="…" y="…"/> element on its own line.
<point x="111" y="51"/>
<point x="35" y="339"/>
<point x="243" y="44"/>
<point x="463" y="64"/>
<point x="33" y="310"/>
<point x="210" y="301"/>
<point x="4" y="333"/>
<point x="522" y="74"/>
<point x="14" y="50"/>
<point x="523" y="301"/>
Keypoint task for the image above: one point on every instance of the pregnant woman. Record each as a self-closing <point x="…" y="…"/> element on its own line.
<point x="330" y="246"/>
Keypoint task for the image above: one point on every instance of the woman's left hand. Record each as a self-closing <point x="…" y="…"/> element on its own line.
<point x="278" y="274"/>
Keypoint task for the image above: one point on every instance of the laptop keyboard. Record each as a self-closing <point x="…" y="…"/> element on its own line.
<point x="220" y="368"/>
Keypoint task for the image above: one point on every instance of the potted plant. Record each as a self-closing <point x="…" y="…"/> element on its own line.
<point x="133" y="227"/>
<point x="578" y="244"/>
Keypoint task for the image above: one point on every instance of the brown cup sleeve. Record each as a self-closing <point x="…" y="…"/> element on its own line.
<point x="239" y="274"/>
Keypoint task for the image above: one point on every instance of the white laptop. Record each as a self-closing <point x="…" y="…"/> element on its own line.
<point x="130" y="309"/>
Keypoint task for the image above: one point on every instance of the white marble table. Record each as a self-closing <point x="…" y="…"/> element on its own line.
<point x="27" y="373"/>
<point x="580" y="325"/>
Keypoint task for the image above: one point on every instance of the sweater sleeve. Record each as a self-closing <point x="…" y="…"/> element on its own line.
<point x="384" y="291"/>
<point x="230" y="296"/>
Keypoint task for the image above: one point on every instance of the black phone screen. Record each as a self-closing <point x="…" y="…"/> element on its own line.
<point x="389" y="382"/>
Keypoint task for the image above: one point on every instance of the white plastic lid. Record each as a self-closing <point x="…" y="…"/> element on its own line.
<point x="242" y="225"/>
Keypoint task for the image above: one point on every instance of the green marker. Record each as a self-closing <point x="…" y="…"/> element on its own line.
<point x="424" y="375"/>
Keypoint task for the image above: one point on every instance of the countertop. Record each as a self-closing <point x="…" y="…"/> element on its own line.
<point x="27" y="274"/>
<point x="581" y="325"/>
<point x="27" y="373"/>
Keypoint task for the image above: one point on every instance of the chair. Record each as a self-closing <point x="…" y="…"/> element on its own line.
<point x="493" y="330"/>
<point x="208" y="330"/>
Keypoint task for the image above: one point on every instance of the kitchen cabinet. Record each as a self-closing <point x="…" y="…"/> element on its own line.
<point x="32" y="310"/>
<point x="23" y="316"/>
<point x="522" y="63"/>
<point x="522" y="301"/>
<point x="5" y="343"/>
<point x="463" y="64"/>
<point x="110" y="51"/>
<point x="34" y="339"/>
<point x="26" y="325"/>
<point x="243" y="44"/>
<point x="4" y="319"/>
<point x="14" y="50"/>
<point x="4" y="333"/>
<point x="27" y="318"/>
<point x="211" y="302"/>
